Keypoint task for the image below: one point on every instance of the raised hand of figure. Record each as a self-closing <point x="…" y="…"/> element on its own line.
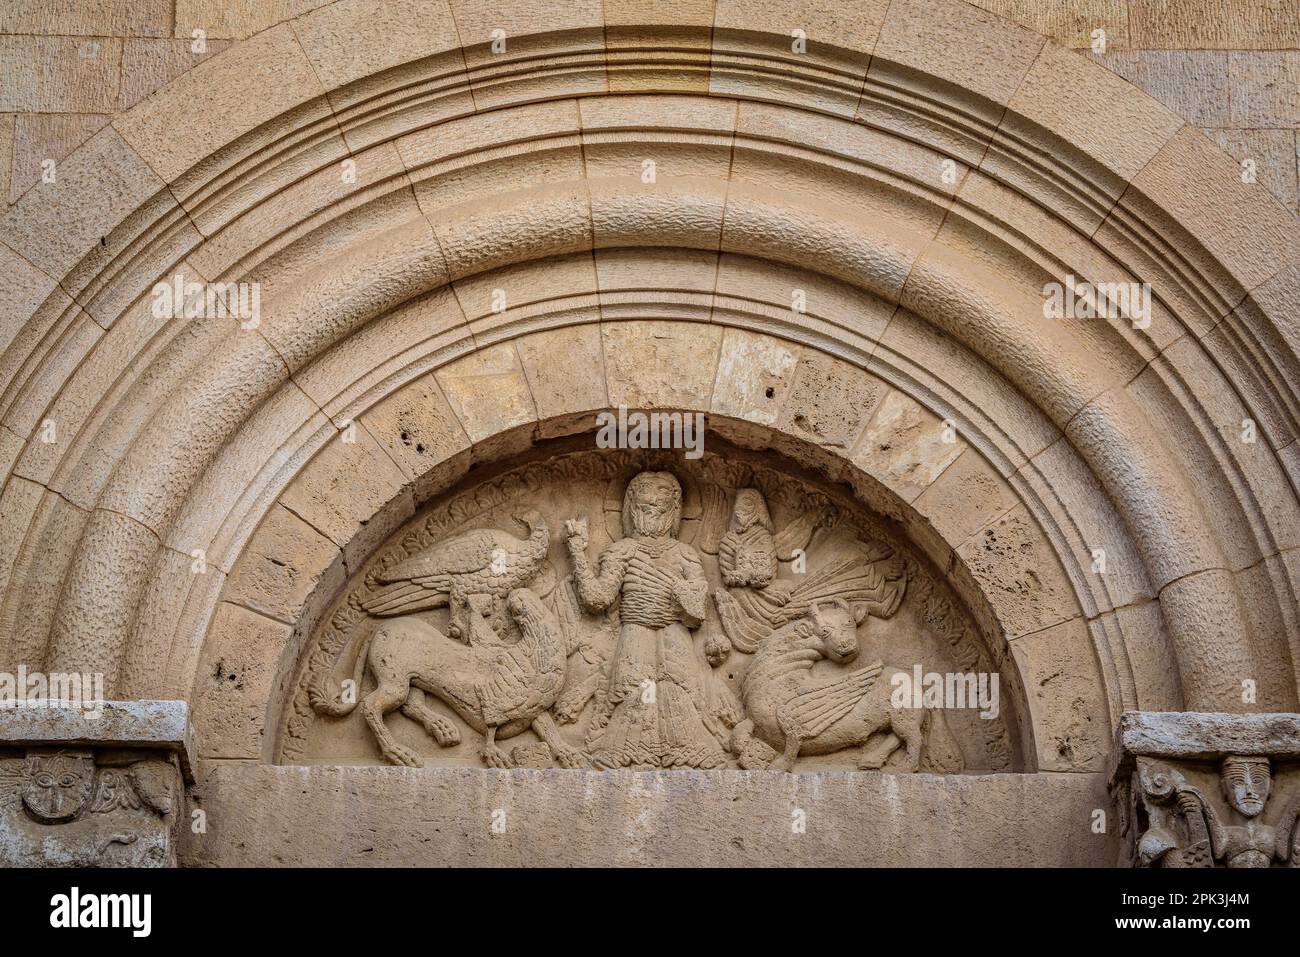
<point x="575" y="532"/>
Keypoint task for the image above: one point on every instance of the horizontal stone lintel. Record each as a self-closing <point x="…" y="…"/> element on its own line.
<point x="333" y="816"/>
<point x="151" y="725"/>
<point x="1200" y="736"/>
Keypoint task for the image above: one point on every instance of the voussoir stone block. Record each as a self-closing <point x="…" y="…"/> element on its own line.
<point x="755" y="373"/>
<point x="654" y="364"/>
<point x="246" y="86"/>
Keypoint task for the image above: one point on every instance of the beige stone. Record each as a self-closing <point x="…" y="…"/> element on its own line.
<point x="1211" y="24"/>
<point x="59" y="74"/>
<point x="272" y="64"/>
<point x="870" y="248"/>
<point x="1192" y="83"/>
<point x="416" y="427"/>
<point x="1069" y="22"/>
<point x="218" y="18"/>
<point x="1059" y="665"/>
<point x="754" y="376"/>
<point x="41" y="139"/>
<point x="236" y="674"/>
<point x="1013" y="562"/>
<point x="280" y="567"/>
<point x="1272" y="154"/>
<point x="488" y="391"/>
<point x="150" y="64"/>
<point x="566" y="374"/>
<point x="660" y="364"/>
<point x="370" y="476"/>
<point x="830" y="402"/>
<point x="994" y="55"/>
<point x="1124" y="127"/>
<point x="572" y="33"/>
<point x="94" y="190"/>
<point x="107" y="18"/>
<point x="966" y="496"/>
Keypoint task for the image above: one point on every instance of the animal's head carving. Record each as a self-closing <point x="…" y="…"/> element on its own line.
<point x="833" y="625"/>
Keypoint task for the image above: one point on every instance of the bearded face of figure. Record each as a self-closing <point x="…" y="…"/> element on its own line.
<point x="653" y="505"/>
<point x="1246" y="783"/>
<point x="58" y="786"/>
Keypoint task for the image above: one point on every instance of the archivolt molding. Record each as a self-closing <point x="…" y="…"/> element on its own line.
<point x="773" y="172"/>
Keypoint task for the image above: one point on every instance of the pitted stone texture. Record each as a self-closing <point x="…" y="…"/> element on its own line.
<point x="966" y="496"/>
<point x="416" y="427"/>
<point x="755" y="373"/>
<point x="830" y="401"/>
<point x="906" y="447"/>
<point x="264" y="815"/>
<point x="1069" y="710"/>
<point x="236" y="678"/>
<point x="661" y="364"/>
<point x="1014" y="564"/>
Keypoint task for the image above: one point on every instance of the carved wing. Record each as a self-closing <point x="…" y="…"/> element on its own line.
<point x="115" y="791"/>
<point x="812" y="712"/>
<point x="873" y="578"/>
<point x="713" y="519"/>
<point x="795" y="536"/>
<point x="424" y="581"/>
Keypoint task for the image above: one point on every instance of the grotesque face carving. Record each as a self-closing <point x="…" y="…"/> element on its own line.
<point x="58" y="785"/>
<point x="652" y="506"/>
<point x="1246" y="783"/>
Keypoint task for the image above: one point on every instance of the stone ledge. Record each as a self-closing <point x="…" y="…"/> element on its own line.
<point x="332" y="816"/>
<point x="161" y="725"/>
<point x="1202" y="736"/>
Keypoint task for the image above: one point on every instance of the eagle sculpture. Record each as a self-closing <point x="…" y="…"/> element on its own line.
<point x="482" y="562"/>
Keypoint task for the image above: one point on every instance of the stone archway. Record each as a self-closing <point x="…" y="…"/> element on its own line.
<point x="834" y="256"/>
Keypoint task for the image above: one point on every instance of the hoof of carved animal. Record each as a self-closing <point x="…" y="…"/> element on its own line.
<point x="496" y="758"/>
<point x="403" y="755"/>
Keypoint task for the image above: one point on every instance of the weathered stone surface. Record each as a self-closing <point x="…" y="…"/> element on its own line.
<point x="755" y="273"/>
<point x="1188" y="734"/>
<point x="265" y="815"/>
<point x="59" y="74"/>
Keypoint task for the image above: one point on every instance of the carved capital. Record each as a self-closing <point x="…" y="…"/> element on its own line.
<point x="1208" y="790"/>
<point x="103" y="789"/>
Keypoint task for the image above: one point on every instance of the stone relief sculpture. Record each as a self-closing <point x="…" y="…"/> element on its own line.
<point x="1188" y="828"/>
<point x="795" y="713"/>
<point x="657" y="709"/>
<point x="483" y="565"/>
<point x="59" y="807"/>
<point x="694" y="637"/>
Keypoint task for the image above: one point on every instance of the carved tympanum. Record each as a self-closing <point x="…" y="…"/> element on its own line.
<point x="713" y="615"/>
